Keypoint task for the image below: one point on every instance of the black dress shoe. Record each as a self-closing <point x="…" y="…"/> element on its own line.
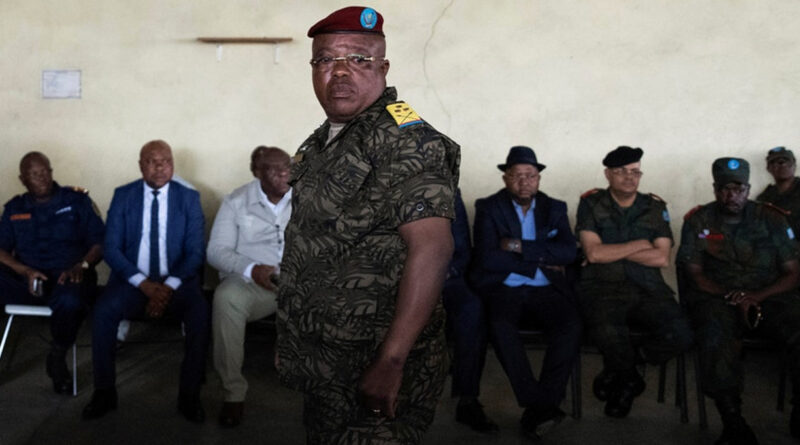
<point x="536" y="423"/>
<point x="604" y="384"/>
<point x="231" y="414"/>
<point x="103" y="401"/>
<point x="620" y="401"/>
<point x="189" y="406"/>
<point x="470" y="412"/>
<point x="736" y="432"/>
<point x="57" y="370"/>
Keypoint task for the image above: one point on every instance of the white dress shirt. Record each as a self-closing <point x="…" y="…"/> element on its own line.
<point x="143" y="262"/>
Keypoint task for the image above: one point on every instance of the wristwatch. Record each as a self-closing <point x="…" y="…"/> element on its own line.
<point x="85" y="265"/>
<point x="514" y="245"/>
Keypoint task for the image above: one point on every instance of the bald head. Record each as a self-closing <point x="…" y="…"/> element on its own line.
<point x="36" y="175"/>
<point x="270" y="165"/>
<point x="155" y="163"/>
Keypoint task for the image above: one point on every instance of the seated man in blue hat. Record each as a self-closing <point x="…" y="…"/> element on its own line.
<point x="523" y="244"/>
<point x="741" y="261"/>
<point x="626" y="238"/>
<point x="52" y="236"/>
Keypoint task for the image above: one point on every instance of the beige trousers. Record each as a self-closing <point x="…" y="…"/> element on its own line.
<point x="236" y="302"/>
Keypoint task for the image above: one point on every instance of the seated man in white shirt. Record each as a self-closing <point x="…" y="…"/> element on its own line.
<point x="246" y="247"/>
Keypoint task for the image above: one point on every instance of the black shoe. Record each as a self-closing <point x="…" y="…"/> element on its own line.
<point x="57" y="370"/>
<point x="536" y="423"/>
<point x="103" y="401"/>
<point x="604" y="384"/>
<point x="736" y="432"/>
<point x="794" y="423"/>
<point x="620" y="400"/>
<point x="231" y="414"/>
<point x="470" y="412"/>
<point x="189" y="406"/>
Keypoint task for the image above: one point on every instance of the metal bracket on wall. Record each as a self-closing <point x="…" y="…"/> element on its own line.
<point x="219" y="41"/>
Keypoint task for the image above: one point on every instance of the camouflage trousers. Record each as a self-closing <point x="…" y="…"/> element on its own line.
<point x="609" y="309"/>
<point x="719" y="329"/>
<point x="332" y="413"/>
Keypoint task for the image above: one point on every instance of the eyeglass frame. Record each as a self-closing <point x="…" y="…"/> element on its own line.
<point x="354" y="60"/>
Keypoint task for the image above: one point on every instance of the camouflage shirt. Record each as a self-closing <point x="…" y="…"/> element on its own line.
<point x="344" y="255"/>
<point x="789" y="201"/>
<point x="647" y="218"/>
<point x="747" y="255"/>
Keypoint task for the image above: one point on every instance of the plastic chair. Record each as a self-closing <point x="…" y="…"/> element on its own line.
<point x="38" y="311"/>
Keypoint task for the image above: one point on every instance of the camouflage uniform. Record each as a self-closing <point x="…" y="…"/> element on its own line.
<point x="342" y="265"/>
<point x="744" y="256"/>
<point x="789" y="201"/>
<point x="615" y="293"/>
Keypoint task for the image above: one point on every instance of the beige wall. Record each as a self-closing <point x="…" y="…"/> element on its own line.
<point x="686" y="80"/>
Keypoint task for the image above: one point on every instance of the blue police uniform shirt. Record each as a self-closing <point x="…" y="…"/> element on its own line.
<point x="528" y="224"/>
<point x="52" y="236"/>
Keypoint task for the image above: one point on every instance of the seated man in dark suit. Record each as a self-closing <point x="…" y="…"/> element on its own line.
<point x="154" y="245"/>
<point x="523" y="243"/>
<point x="466" y="321"/>
<point x="53" y="236"/>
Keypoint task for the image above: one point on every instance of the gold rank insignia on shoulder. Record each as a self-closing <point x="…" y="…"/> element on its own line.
<point x="297" y="158"/>
<point x="79" y="189"/>
<point x="403" y="114"/>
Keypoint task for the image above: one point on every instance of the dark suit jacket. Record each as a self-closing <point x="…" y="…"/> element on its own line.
<point x="185" y="249"/>
<point x="555" y="245"/>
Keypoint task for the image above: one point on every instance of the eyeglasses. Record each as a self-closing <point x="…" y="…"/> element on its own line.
<point x="525" y="177"/>
<point x="358" y="61"/>
<point x="622" y="171"/>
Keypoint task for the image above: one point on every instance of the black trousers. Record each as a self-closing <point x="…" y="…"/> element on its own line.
<point x="557" y="316"/>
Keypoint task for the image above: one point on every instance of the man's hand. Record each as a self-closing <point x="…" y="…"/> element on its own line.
<point x="31" y="274"/>
<point x="745" y="302"/>
<point x="261" y="275"/>
<point x="379" y="386"/>
<point x="158" y="295"/>
<point x="73" y="275"/>
<point x="511" y="245"/>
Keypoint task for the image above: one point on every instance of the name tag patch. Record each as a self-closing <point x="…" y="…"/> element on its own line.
<point x="21" y="217"/>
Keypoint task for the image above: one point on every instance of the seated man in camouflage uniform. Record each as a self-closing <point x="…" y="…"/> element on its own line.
<point x="785" y="193"/>
<point x="741" y="261"/>
<point x="627" y="239"/>
<point x="52" y="234"/>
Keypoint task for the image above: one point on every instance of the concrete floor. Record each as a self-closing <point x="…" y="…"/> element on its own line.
<point x="147" y="368"/>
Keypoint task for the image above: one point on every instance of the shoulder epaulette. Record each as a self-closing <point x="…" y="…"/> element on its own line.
<point x="75" y="188"/>
<point x="656" y="197"/>
<point x="780" y="210"/>
<point x="403" y="114"/>
<point x="589" y="192"/>
<point x="691" y="212"/>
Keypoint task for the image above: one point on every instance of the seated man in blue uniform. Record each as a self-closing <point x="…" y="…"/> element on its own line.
<point x="466" y="320"/>
<point x="154" y="245"/>
<point x="53" y="236"/>
<point x="523" y="244"/>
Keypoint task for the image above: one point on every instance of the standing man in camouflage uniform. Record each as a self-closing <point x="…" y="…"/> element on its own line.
<point x="741" y="261"/>
<point x="360" y="323"/>
<point x="626" y="238"/>
<point x="785" y="193"/>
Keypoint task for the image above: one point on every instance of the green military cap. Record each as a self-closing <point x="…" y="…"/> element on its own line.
<point x="780" y="152"/>
<point x="727" y="170"/>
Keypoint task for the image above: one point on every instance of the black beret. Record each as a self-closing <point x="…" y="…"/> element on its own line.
<point x="622" y="155"/>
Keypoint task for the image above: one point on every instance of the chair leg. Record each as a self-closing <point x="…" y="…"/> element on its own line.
<point x="74" y="369"/>
<point x="701" y="398"/>
<point x="782" y="381"/>
<point x="662" y="381"/>
<point x="576" y="388"/>
<point x="680" y="388"/>
<point x="5" y="334"/>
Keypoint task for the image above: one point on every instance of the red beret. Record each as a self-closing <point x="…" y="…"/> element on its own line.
<point x="350" y="19"/>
